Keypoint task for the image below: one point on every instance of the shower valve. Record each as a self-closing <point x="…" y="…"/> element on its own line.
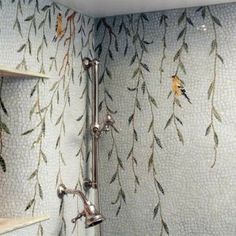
<point x="98" y="129"/>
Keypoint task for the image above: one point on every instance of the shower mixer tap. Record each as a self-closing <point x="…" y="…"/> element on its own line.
<point x="103" y="127"/>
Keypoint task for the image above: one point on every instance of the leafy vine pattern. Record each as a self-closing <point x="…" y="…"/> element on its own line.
<point x="27" y="45"/>
<point x="66" y="72"/>
<point x="151" y="167"/>
<point x="140" y="48"/>
<point x="136" y="105"/>
<point x="214" y="52"/>
<point x="37" y="144"/>
<point x="163" y="23"/>
<point x="41" y="114"/>
<point x="138" y="33"/>
<point x="123" y="27"/>
<point x="47" y="19"/>
<point x="184" y="48"/>
<point x="106" y="73"/>
<point x="120" y="197"/>
<point x="3" y="127"/>
<point x="17" y="21"/>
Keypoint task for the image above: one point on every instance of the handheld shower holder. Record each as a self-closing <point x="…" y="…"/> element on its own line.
<point x="97" y="128"/>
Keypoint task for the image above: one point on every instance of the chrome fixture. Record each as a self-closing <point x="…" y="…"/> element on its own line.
<point x="96" y="128"/>
<point x="92" y="216"/>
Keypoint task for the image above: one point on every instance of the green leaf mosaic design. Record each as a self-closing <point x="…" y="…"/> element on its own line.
<point x="3" y="127"/>
<point x="217" y="59"/>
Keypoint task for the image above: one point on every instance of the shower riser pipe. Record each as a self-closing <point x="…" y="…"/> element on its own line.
<point x="96" y="128"/>
<point x="95" y="144"/>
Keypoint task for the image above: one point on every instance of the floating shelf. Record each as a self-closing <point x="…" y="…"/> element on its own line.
<point x="9" y="72"/>
<point x="10" y="224"/>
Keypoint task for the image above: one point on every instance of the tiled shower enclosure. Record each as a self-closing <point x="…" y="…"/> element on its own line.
<point x="168" y="166"/>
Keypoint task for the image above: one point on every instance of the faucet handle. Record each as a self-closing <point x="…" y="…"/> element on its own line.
<point x="81" y="214"/>
<point x="109" y="120"/>
<point x="107" y="123"/>
<point x="98" y="129"/>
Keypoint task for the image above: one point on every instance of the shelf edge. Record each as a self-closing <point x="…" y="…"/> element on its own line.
<point x="11" y="224"/>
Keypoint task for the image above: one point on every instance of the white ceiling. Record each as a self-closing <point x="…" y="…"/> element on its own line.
<point x="100" y="8"/>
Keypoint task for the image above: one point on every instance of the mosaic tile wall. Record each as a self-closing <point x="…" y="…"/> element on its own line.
<point x="43" y="122"/>
<point x="168" y="78"/>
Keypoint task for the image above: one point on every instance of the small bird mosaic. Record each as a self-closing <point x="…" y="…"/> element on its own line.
<point x="177" y="87"/>
<point x="59" y="28"/>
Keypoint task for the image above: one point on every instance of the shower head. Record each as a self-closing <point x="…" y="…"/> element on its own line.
<point x="91" y="214"/>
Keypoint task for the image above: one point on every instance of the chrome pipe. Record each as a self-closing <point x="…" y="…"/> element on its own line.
<point x="62" y="191"/>
<point x="95" y="67"/>
<point x="94" y="64"/>
<point x="96" y="128"/>
<point x="95" y="143"/>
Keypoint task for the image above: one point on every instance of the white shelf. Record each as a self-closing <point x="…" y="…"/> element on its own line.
<point x="9" y="72"/>
<point x="10" y="224"/>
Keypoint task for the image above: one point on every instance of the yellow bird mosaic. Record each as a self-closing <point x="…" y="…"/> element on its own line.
<point x="177" y="87"/>
<point x="59" y="28"/>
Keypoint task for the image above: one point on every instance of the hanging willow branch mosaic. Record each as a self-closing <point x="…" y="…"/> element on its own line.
<point x="47" y="10"/>
<point x="27" y="45"/>
<point x="38" y="145"/>
<point x="40" y="112"/>
<point x="140" y="49"/>
<point x="106" y="54"/>
<point x="138" y="31"/>
<point x="217" y="58"/>
<point x="17" y="24"/>
<point x="120" y="198"/>
<point x="123" y="27"/>
<point x="66" y="72"/>
<point x="163" y="23"/>
<point x="177" y="84"/>
<point x="3" y="127"/>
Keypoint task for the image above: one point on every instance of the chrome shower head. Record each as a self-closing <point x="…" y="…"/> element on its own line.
<point x="91" y="214"/>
